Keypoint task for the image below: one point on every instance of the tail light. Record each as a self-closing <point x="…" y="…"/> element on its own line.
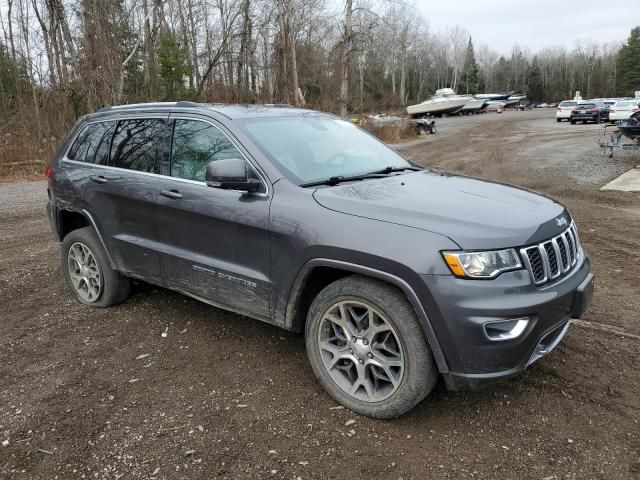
<point x="559" y="109"/>
<point x="594" y="110"/>
<point x="574" y="109"/>
<point x="635" y="109"/>
<point x="612" y="110"/>
<point x="48" y="172"/>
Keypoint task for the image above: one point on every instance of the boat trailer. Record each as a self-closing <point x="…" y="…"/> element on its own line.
<point x="618" y="140"/>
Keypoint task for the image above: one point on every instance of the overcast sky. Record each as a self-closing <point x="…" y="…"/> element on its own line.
<point x="535" y="24"/>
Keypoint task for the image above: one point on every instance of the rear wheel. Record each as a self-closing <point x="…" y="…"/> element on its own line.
<point x="573" y="122"/>
<point x="87" y="271"/>
<point x="558" y="120"/>
<point x="367" y="349"/>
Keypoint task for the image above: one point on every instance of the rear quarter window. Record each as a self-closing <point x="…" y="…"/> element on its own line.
<point x="92" y="143"/>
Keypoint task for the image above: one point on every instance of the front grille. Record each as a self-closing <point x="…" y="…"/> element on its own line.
<point x="554" y="258"/>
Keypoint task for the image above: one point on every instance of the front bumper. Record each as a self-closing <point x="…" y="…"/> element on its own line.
<point x="462" y="307"/>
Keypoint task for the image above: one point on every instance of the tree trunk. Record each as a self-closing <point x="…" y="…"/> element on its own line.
<point x="345" y="58"/>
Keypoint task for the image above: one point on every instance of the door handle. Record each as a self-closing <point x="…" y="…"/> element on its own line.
<point x="98" y="179"/>
<point x="173" y="194"/>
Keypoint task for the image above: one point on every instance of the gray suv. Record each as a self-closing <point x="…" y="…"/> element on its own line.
<point x="397" y="275"/>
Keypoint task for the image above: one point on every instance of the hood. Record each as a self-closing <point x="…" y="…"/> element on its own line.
<point x="476" y="214"/>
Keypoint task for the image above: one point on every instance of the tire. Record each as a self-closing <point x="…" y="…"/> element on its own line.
<point x="558" y="120"/>
<point x="598" y="120"/>
<point x="415" y="373"/>
<point x="573" y="122"/>
<point x="108" y="287"/>
<point x="433" y="129"/>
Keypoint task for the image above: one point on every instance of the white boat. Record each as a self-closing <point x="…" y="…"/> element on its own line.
<point x="492" y="96"/>
<point x="444" y="101"/>
<point x="513" y="99"/>
<point x="474" y="105"/>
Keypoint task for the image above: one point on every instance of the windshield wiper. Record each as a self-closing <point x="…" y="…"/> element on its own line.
<point x="339" y="179"/>
<point x="377" y="174"/>
<point x="387" y="170"/>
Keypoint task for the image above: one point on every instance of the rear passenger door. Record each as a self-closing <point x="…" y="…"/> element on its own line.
<point x="215" y="243"/>
<point x="121" y="194"/>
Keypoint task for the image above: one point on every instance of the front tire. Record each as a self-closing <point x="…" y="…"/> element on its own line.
<point x="367" y="348"/>
<point x="87" y="271"/>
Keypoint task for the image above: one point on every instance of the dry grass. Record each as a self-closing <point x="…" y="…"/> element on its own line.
<point x="392" y="133"/>
<point x="23" y="156"/>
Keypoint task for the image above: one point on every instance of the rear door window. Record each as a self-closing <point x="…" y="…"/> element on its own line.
<point x="140" y="144"/>
<point x="195" y="145"/>
<point x="92" y="144"/>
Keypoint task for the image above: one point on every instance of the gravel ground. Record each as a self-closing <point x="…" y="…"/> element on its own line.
<point x="99" y="393"/>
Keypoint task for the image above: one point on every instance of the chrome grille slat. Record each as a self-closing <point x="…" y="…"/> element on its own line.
<point x="567" y="253"/>
<point x="553" y="258"/>
<point x="545" y="260"/>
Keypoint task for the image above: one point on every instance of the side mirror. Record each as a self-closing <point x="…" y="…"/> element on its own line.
<point x="230" y="174"/>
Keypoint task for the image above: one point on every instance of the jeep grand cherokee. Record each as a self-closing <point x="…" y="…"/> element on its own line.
<point x="397" y="275"/>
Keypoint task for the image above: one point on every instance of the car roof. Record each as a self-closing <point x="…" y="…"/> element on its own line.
<point x="231" y="111"/>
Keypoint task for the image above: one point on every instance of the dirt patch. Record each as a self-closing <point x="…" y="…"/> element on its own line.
<point x="99" y="393"/>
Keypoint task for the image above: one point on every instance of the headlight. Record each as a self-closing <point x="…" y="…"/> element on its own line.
<point x="482" y="264"/>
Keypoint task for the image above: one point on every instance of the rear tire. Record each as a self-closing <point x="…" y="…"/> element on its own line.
<point x="558" y="120"/>
<point x="87" y="271"/>
<point x="573" y="122"/>
<point x="367" y="348"/>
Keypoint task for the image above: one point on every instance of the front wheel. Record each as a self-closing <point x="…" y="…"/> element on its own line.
<point x="367" y="349"/>
<point x="88" y="273"/>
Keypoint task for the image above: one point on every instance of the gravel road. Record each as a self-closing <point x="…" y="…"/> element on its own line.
<point x="99" y="393"/>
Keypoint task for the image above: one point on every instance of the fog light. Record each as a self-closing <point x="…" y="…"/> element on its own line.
<point x="505" y="329"/>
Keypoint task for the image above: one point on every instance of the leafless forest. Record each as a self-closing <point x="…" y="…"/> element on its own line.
<point x="60" y="59"/>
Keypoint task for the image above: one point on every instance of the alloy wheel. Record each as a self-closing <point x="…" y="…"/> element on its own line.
<point x="361" y="351"/>
<point x="84" y="272"/>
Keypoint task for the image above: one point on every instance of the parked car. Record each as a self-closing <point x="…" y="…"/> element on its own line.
<point x="396" y="274"/>
<point x="623" y="110"/>
<point x="589" y="111"/>
<point x="564" y="110"/>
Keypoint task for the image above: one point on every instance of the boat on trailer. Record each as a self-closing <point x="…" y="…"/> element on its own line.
<point x="444" y="101"/>
<point x="475" y="105"/>
<point x="493" y="96"/>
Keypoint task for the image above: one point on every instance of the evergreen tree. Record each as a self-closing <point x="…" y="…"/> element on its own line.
<point x="470" y="71"/>
<point x="173" y="68"/>
<point x="628" y="65"/>
<point x="536" y="86"/>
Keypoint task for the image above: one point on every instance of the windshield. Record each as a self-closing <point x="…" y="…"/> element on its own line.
<point x="315" y="148"/>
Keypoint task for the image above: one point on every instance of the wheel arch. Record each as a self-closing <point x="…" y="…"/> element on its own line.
<point x="69" y="220"/>
<point x="318" y="273"/>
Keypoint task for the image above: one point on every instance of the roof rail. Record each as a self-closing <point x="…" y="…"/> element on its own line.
<point x="181" y="103"/>
<point x="279" y="105"/>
